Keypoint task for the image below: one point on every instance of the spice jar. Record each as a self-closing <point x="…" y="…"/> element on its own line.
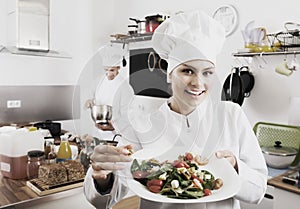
<point x="35" y="159"/>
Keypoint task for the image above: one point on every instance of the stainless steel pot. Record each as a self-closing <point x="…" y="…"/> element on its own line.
<point x="141" y="25"/>
<point x="279" y="156"/>
<point x="101" y="114"/>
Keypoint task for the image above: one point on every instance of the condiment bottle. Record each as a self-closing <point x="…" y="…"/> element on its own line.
<point x="64" y="152"/>
<point x="85" y="153"/>
<point x="299" y="179"/>
<point x="51" y="158"/>
<point x="35" y="159"/>
<point x="48" y="144"/>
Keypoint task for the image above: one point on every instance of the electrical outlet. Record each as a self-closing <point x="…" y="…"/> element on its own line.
<point x="13" y="104"/>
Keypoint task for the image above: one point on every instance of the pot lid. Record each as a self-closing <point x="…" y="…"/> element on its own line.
<point x="279" y="150"/>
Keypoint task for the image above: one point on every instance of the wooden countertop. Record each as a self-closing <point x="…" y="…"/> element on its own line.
<point x="15" y="192"/>
<point x="132" y="202"/>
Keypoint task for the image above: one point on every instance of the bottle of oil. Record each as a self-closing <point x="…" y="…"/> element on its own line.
<point x="64" y="152"/>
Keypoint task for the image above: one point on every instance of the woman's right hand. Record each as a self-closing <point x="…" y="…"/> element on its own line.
<point x="106" y="159"/>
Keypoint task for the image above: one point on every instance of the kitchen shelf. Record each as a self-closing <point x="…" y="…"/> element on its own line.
<point x="252" y="54"/>
<point x="134" y="38"/>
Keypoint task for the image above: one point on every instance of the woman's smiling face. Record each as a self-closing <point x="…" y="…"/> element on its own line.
<point x="191" y="82"/>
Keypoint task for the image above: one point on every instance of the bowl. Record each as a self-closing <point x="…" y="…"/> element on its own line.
<point x="278" y="156"/>
<point x="101" y="114"/>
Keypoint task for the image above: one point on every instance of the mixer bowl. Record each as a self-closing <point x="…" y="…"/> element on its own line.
<point x="101" y="114"/>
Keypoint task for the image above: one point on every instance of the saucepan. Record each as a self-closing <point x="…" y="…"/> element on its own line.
<point x="279" y="156"/>
<point x="140" y="25"/>
<point x="238" y="85"/>
<point x="232" y="87"/>
<point x="247" y="79"/>
<point x="101" y="114"/>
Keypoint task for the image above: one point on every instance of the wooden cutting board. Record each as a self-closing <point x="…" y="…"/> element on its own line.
<point x="43" y="189"/>
<point x="277" y="182"/>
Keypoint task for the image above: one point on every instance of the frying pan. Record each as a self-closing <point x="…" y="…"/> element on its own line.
<point x="247" y="80"/>
<point x="232" y="87"/>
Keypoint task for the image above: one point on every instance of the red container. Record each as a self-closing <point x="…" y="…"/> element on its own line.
<point x="152" y="22"/>
<point x="14" y="167"/>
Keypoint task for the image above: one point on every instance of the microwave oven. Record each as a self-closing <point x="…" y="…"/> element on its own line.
<point x="148" y="73"/>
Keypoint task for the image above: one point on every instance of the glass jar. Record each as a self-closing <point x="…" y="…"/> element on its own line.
<point x="35" y="159"/>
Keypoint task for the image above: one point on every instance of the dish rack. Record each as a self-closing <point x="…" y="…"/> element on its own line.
<point x="289" y="39"/>
<point x="268" y="133"/>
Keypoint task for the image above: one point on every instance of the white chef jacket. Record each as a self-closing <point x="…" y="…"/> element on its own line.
<point x="165" y="128"/>
<point x="118" y="94"/>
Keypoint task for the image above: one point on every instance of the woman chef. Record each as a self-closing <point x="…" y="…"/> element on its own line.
<point x="113" y="90"/>
<point x="192" y="118"/>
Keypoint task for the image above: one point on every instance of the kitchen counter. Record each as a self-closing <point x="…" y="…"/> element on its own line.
<point x="277" y="182"/>
<point x="15" y="194"/>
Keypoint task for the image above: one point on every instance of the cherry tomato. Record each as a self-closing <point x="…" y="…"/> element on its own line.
<point x="139" y="174"/>
<point x="198" y="178"/>
<point x="154" y="189"/>
<point x="188" y="156"/>
<point x="207" y="192"/>
<point x="155" y="182"/>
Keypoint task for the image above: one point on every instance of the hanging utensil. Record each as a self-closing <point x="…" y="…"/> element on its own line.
<point x="124" y="62"/>
<point x="247" y="79"/>
<point x="232" y="88"/>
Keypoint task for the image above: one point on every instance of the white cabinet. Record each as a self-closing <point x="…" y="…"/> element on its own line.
<point x="282" y="199"/>
<point x="286" y="199"/>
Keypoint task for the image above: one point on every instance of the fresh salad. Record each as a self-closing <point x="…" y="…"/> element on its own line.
<point x="183" y="178"/>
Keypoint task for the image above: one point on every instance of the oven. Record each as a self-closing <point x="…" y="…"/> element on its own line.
<point x="147" y="72"/>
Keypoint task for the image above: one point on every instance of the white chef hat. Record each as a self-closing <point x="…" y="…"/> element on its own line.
<point x="188" y="36"/>
<point x="111" y="55"/>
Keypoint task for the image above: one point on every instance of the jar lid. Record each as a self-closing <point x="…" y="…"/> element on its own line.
<point x="35" y="153"/>
<point x="279" y="150"/>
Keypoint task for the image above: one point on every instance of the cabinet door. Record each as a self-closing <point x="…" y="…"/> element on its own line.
<point x="286" y="199"/>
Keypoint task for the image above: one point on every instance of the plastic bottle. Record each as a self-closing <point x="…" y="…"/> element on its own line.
<point x="64" y="152"/>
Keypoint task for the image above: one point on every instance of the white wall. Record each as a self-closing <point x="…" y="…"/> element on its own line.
<point x="269" y="100"/>
<point x="79" y="28"/>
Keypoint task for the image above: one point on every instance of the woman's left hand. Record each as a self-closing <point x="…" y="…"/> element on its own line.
<point x="228" y="155"/>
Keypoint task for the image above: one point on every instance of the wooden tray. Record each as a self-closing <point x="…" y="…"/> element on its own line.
<point x="43" y="189"/>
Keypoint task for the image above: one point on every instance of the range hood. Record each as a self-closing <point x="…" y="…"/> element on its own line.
<point x="32" y="17"/>
<point x="31" y="32"/>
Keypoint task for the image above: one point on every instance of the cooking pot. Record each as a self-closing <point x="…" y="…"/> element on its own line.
<point x="152" y="22"/>
<point x="279" y="156"/>
<point x="101" y="114"/>
<point x="232" y="87"/>
<point x="141" y="25"/>
<point x="53" y="127"/>
<point x="132" y="29"/>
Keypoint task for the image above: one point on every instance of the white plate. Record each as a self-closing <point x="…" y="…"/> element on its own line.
<point x="220" y="168"/>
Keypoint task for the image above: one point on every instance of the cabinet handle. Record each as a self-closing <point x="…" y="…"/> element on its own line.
<point x="268" y="196"/>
